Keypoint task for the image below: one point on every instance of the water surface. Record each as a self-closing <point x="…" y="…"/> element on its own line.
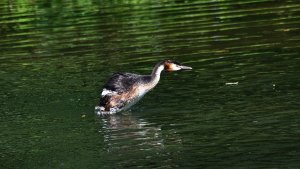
<point x="238" y="108"/>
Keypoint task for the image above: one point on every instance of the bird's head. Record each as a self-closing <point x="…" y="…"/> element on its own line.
<point x="171" y="66"/>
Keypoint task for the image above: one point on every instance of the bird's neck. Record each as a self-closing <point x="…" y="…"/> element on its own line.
<point x="155" y="75"/>
<point x="153" y="79"/>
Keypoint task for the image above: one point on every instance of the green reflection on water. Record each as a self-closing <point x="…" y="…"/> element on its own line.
<point x="237" y="108"/>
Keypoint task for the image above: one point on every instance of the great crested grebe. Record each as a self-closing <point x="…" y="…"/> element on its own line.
<point x="123" y="90"/>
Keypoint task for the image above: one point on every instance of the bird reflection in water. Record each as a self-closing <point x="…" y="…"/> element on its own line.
<point x="122" y="131"/>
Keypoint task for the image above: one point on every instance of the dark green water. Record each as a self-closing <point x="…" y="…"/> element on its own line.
<point x="238" y="108"/>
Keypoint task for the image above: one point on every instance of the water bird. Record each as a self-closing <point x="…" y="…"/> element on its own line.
<point x="123" y="90"/>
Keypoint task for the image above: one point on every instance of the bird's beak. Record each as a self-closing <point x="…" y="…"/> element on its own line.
<point x="185" y="67"/>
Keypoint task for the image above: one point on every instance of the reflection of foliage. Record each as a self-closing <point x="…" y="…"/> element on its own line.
<point x="49" y="26"/>
<point x="143" y="27"/>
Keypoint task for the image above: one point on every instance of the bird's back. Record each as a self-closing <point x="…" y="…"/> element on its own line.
<point x="121" y="82"/>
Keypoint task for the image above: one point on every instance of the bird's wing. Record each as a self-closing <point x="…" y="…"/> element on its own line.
<point x="121" y="82"/>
